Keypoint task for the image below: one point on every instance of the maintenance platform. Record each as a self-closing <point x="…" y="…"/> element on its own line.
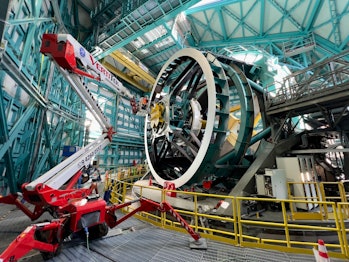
<point x="135" y="240"/>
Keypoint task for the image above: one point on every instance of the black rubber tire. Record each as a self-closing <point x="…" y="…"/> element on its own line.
<point x="98" y="231"/>
<point x="49" y="255"/>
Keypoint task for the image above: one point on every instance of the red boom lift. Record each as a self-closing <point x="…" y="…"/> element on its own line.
<point x="74" y="209"/>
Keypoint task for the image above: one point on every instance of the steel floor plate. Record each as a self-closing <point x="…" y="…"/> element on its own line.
<point x="135" y="240"/>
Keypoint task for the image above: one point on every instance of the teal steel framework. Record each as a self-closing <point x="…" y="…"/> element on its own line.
<point x="269" y="24"/>
<point x="40" y="113"/>
<point x="297" y="32"/>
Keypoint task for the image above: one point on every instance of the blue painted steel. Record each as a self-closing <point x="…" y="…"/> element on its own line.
<point x="30" y="20"/>
<point x="245" y="31"/>
<point x="205" y="7"/>
<point x="16" y="129"/>
<point x="9" y="165"/>
<point x="252" y="40"/>
<point x="3" y="16"/>
<point x="47" y="158"/>
<point x="222" y="24"/>
<point x="330" y="47"/>
<point x="344" y="43"/>
<point x="145" y="28"/>
<point x="263" y="134"/>
<point x="335" y="18"/>
<point x="23" y="62"/>
<point x="173" y="48"/>
<point x="286" y="14"/>
<point x="313" y="15"/>
<point x="289" y="60"/>
<point x="262" y="17"/>
<point x="256" y="86"/>
<point x="169" y="33"/>
<point x="244" y="92"/>
<point x="150" y="44"/>
<point x="206" y="29"/>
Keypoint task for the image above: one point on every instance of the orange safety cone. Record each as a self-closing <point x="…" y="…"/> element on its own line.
<point x="321" y="254"/>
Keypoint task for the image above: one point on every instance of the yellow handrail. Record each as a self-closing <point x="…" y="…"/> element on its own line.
<point x="236" y="228"/>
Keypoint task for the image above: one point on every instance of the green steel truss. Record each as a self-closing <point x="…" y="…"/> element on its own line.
<point x="299" y="32"/>
<point x="40" y="113"/>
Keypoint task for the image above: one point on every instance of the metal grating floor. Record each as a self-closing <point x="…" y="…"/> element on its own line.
<point x="135" y="240"/>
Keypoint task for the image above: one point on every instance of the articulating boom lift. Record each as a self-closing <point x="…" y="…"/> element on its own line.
<point x="74" y="209"/>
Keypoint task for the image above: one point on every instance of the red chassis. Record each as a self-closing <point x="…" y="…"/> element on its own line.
<point x="75" y="210"/>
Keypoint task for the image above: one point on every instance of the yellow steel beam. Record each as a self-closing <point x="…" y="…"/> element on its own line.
<point x="132" y="66"/>
<point x="125" y="77"/>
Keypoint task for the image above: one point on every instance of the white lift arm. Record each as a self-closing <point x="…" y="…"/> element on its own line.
<point x="91" y="103"/>
<point x="60" y="174"/>
<point x="74" y="63"/>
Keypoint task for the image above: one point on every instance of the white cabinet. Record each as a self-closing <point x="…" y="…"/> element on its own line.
<point x="272" y="183"/>
<point x="300" y="170"/>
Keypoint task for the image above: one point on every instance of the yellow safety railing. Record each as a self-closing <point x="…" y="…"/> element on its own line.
<point x="281" y="233"/>
<point x="345" y="184"/>
<point x="196" y="214"/>
<point x="334" y="191"/>
<point x="125" y="174"/>
<point x="345" y="230"/>
<point x="308" y="194"/>
<point x="130" y="173"/>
